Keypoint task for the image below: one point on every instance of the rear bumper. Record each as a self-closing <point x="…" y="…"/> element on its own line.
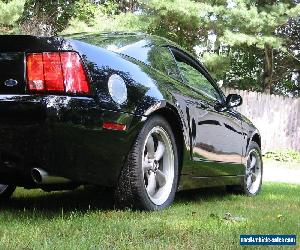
<point x="64" y="136"/>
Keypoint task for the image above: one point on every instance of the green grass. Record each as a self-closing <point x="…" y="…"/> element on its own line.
<point x="85" y="219"/>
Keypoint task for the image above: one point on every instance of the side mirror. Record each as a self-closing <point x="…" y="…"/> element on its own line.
<point x="233" y="100"/>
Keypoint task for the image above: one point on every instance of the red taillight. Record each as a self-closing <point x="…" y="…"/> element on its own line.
<point x="56" y="72"/>
<point x="35" y="72"/>
<point x="74" y="75"/>
<point x="53" y="74"/>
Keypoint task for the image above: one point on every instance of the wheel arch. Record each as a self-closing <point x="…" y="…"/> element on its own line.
<point x="170" y="113"/>
<point x="256" y="138"/>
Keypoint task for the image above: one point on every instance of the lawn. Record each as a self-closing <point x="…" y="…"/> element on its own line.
<point x="85" y="219"/>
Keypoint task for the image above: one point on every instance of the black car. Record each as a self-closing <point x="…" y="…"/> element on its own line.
<point x="125" y="110"/>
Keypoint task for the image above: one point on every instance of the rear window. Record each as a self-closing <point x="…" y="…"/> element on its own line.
<point x="136" y="46"/>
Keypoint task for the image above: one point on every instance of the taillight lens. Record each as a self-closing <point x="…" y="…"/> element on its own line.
<point x="35" y="72"/>
<point x="56" y="72"/>
<point x="54" y="80"/>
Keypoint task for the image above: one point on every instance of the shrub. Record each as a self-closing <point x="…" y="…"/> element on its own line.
<point x="285" y="155"/>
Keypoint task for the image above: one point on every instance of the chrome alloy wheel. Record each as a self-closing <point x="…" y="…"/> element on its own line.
<point x="253" y="171"/>
<point x="158" y="165"/>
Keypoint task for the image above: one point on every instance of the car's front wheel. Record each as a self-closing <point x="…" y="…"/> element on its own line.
<point x="252" y="182"/>
<point x="254" y="170"/>
<point x="6" y="191"/>
<point x="149" y="178"/>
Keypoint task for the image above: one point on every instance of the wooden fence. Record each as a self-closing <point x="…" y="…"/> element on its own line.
<point x="276" y="117"/>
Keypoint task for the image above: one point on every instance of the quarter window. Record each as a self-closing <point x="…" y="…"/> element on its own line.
<point x="162" y="59"/>
<point x="196" y="79"/>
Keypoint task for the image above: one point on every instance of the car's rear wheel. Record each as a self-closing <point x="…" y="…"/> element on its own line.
<point x="149" y="178"/>
<point x="254" y="171"/>
<point x="6" y="191"/>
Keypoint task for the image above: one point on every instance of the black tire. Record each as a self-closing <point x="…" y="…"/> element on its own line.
<point x="244" y="188"/>
<point x="6" y="191"/>
<point x="131" y="191"/>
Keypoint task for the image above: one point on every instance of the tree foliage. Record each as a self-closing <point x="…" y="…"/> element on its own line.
<point x="249" y="44"/>
<point x="10" y="13"/>
<point x="46" y="17"/>
<point x="247" y="33"/>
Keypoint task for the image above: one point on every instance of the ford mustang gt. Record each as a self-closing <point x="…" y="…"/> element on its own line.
<point x="124" y="110"/>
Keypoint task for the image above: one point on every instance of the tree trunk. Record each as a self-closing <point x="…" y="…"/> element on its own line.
<point x="268" y="68"/>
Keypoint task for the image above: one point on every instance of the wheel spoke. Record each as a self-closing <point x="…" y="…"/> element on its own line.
<point x="159" y="151"/>
<point x="253" y="177"/>
<point x="150" y="147"/>
<point x="151" y="184"/>
<point x="249" y="181"/>
<point x="161" y="178"/>
<point x="253" y="162"/>
<point x="146" y="166"/>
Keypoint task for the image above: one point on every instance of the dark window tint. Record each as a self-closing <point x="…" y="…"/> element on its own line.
<point x="163" y="60"/>
<point x="136" y="46"/>
<point x="196" y="79"/>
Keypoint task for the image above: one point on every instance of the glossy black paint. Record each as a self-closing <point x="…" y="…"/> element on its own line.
<point x="64" y="134"/>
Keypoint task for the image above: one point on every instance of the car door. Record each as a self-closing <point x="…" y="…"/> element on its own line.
<point x="216" y="136"/>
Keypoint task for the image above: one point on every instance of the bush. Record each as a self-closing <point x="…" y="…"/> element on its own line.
<point x="286" y="155"/>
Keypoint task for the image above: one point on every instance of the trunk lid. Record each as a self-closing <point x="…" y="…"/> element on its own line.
<point x="12" y="73"/>
<point x="13" y="50"/>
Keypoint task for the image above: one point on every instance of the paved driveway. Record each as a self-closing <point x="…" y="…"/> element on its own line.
<point x="277" y="172"/>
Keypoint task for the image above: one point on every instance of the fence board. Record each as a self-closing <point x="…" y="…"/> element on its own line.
<point x="276" y="117"/>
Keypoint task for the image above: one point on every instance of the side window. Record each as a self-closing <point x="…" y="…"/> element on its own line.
<point x="196" y="79"/>
<point x="163" y="60"/>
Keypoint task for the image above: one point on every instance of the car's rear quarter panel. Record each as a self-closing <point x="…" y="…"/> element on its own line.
<point x="63" y="134"/>
<point x="149" y="92"/>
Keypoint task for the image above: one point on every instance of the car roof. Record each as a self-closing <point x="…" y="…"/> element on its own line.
<point x="152" y="39"/>
<point x="134" y="44"/>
